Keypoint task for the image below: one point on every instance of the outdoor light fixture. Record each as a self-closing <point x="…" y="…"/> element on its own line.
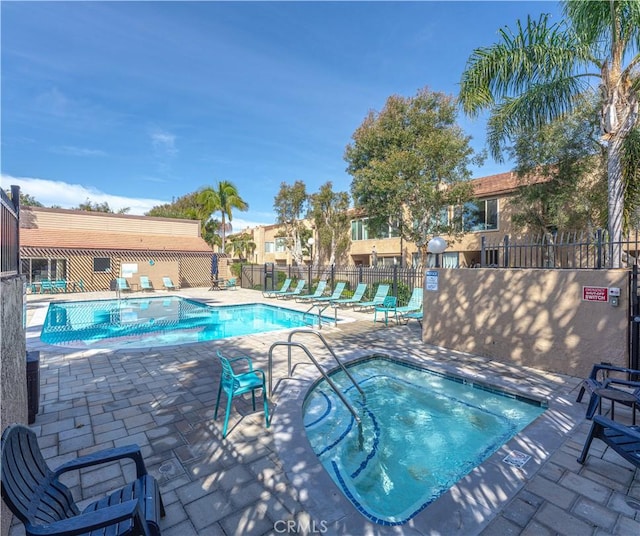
<point x="437" y="245"/>
<point x="310" y="242"/>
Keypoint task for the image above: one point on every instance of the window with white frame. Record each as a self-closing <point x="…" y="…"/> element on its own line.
<point x="269" y="247"/>
<point x="359" y="229"/>
<point x="281" y="245"/>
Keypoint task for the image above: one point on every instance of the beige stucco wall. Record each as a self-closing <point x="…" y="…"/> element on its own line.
<point x="529" y="317"/>
<point x="13" y="365"/>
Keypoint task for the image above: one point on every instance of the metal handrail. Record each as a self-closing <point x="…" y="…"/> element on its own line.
<point x="326" y="345"/>
<point x="324" y="374"/>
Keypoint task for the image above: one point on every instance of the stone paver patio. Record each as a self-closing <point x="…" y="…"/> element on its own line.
<point x="267" y="481"/>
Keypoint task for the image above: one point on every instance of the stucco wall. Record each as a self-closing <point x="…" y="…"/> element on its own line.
<point x="13" y="384"/>
<point x="529" y="317"/>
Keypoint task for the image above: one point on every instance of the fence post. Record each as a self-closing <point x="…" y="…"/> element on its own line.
<point x="395" y="279"/>
<point x="360" y="275"/>
<point x="505" y="255"/>
<point x="333" y="276"/>
<point x="599" y="249"/>
<point x="483" y="251"/>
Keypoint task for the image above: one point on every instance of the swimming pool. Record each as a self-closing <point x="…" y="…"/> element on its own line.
<point x="145" y="322"/>
<point x="421" y="433"/>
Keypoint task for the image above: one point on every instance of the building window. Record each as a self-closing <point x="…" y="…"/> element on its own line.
<point x="481" y="215"/>
<point x="39" y="269"/>
<point x="269" y="247"/>
<point x="101" y="264"/>
<point x="359" y="230"/>
<point x="281" y="245"/>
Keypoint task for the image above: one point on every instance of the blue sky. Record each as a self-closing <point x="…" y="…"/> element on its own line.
<point x="137" y="103"/>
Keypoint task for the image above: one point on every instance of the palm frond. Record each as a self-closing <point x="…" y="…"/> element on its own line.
<point x="540" y="105"/>
<point x="534" y="54"/>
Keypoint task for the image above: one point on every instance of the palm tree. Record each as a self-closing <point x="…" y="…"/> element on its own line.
<point x="223" y="198"/>
<point x="540" y="72"/>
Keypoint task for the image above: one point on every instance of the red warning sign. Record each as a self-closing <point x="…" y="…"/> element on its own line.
<point x="597" y="294"/>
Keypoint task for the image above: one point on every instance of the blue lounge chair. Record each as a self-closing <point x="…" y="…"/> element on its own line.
<point x="34" y="493"/>
<point x="322" y="285"/>
<point x="46" y="286"/>
<point x="415" y="302"/>
<point x="231" y="284"/>
<point x="273" y="293"/>
<point x="378" y="299"/>
<point x="418" y="315"/>
<point x="388" y="306"/>
<point x="60" y="285"/>
<point x="625" y="440"/>
<point x="295" y="292"/>
<point x="168" y="284"/>
<point x="354" y="300"/>
<point x="235" y="384"/>
<point x="122" y="284"/>
<point x="145" y="283"/>
<point x="337" y="292"/>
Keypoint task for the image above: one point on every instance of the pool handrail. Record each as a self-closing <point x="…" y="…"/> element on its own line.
<point x="324" y="374"/>
<point x="326" y="345"/>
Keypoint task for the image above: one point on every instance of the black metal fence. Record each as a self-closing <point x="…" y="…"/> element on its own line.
<point x="400" y="280"/>
<point x="9" y="232"/>
<point x="580" y="250"/>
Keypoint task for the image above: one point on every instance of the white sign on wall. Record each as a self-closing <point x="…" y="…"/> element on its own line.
<point x="129" y="269"/>
<point x="431" y="280"/>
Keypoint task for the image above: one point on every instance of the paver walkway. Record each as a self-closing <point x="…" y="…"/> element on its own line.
<point x="259" y="481"/>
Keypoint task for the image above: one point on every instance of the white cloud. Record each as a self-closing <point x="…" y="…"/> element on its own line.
<point x="67" y="195"/>
<point x="164" y="142"/>
<point x="77" y="151"/>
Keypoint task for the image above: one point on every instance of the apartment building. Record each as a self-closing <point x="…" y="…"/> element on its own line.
<point x="491" y="217"/>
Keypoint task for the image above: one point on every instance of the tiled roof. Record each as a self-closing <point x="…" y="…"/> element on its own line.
<point x="502" y="183"/>
<point x="76" y="239"/>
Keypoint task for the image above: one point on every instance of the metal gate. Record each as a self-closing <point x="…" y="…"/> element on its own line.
<point x="634" y="320"/>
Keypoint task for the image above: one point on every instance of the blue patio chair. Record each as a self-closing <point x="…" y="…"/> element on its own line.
<point x="60" y="285"/>
<point x="231" y="284"/>
<point x="46" y="286"/>
<point x="337" y="292"/>
<point x="168" y="284"/>
<point x="378" y="299"/>
<point x="295" y="292"/>
<point x="415" y="302"/>
<point x="388" y="306"/>
<point x="274" y="293"/>
<point x="34" y="493"/>
<point x="599" y="376"/>
<point x="122" y="284"/>
<point x="235" y="384"/>
<point x="145" y="283"/>
<point x="354" y="300"/>
<point x="418" y="315"/>
<point x="322" y="285"/>
<point x="625" y="440"/>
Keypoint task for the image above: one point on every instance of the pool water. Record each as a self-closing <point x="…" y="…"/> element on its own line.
<point x="145" y="322"/>
<point x="421" y="433"/>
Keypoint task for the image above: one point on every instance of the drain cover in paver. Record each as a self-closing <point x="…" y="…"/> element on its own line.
<point x="517" y="458"/>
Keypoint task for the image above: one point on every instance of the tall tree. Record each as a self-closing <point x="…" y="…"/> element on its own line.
<point x="540" y="71"/>
<point x="563" y="170"/>
<point x="189" y="207"/>
<point x="289" y="204"/>
<point x="224" y="198"/>
<point x="409" y="163"/>
<point x="328" y="210"/>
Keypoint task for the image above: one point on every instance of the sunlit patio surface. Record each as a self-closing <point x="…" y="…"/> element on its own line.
<point x="267" y="481"/>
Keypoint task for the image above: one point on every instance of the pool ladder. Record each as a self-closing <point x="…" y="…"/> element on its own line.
<point x="331" y="383"/>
